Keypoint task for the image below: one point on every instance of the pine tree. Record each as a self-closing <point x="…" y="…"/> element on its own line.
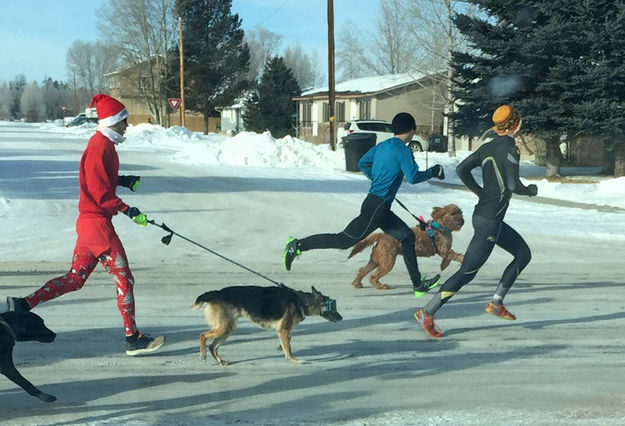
<point x="558" y="62"/>
<point x="271" y="107"/>
<point x="216" y="58"/>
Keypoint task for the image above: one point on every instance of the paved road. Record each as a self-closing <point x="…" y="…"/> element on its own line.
<point x="561" y="362"/>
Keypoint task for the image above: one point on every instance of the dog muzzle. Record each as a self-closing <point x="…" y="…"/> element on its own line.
<point x="330" y="313"/>
<point x="331" y="305"/>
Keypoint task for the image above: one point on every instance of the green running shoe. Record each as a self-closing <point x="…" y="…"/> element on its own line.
<point x="427" y="284"/>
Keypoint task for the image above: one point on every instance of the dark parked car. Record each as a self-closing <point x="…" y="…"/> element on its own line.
<point x="82" y="119"/>
<point x="382" y="130"/>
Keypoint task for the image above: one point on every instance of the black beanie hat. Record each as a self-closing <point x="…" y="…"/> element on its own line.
<point x="403" y="123"/>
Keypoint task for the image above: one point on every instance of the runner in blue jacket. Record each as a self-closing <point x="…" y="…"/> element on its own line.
<point x="386" y="165"/>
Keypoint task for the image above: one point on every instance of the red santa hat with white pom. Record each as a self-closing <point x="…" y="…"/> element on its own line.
<point x="110" y="110"/>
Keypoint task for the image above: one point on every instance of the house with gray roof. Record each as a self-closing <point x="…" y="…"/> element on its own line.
<point x="373" y="98"/>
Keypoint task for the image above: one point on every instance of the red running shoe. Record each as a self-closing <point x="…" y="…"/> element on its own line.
<point x="427" y="322"/>
<point x="499" y="311"/>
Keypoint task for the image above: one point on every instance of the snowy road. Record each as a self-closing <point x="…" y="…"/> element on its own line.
<point x="561" y="362"/>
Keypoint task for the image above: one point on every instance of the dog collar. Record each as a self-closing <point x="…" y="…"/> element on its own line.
<point x="429" y="228"/>
<point x="434" y="224"/>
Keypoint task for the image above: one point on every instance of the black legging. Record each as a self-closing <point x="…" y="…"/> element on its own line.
<point x="374" y="213"/>
<point x="487" y="233"/>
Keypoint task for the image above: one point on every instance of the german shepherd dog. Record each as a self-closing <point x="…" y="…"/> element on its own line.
<point x="387" y="248"/>
<point x="280" y="308"/>
<point x="22" y="327"/>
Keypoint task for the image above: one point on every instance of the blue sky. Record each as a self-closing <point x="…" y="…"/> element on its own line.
<point x="35" y="34"/>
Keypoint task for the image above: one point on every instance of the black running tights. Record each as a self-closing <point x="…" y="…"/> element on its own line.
<point x="374" y="213"/>
<point x="487" y="234"/>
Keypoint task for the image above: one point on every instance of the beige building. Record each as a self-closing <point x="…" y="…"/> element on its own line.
<point x="373" y="98"/>
<point x="129" y="86"/>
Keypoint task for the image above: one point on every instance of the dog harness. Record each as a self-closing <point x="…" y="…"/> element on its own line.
<point x="429" y="227"/>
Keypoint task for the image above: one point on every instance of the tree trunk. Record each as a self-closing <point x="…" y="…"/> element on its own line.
<point x="206" y="123"/>
<point x="608" y="157"/>
<point x="619" y="160"/>
<point x="157" y="116"/>
<point x="554" y="158"/>
<point x="451" y="102"/>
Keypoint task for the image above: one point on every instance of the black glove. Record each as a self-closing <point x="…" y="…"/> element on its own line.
<point x="437" y="171"/>
<point x="131" y="182"/>
<point x="532" y="190"/>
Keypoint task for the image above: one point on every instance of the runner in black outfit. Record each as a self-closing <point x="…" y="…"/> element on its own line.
<point x="386" y="164"/>
<point x="499" y="161"/>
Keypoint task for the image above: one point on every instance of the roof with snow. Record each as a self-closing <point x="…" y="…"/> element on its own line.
<point x="371" y="84"/>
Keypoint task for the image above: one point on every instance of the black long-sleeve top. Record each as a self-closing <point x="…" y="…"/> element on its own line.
<point x="499" y="160"/>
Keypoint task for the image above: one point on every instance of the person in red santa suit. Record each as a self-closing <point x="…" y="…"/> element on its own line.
<point x="97" y="240"/>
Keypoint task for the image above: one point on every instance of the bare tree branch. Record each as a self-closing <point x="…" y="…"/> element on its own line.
<point x="143" y="31"/>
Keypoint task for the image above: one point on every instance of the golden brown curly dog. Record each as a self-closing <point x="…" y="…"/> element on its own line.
<point x="387" y="248"/>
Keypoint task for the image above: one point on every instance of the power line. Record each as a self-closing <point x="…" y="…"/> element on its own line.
<point x="272" y="13"/>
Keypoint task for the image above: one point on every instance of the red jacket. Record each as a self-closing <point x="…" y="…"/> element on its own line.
<point x="97" y="177"/>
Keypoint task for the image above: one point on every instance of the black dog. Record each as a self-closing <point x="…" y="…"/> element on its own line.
<point x="22" y="327"/>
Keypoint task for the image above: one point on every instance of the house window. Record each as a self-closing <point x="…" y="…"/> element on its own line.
<point x="326" y="112"/>
<point x="144" y="84"/>
<point x="339" y="112"/>
<point x="306" y="114"/>
<point x="364" y="108"/>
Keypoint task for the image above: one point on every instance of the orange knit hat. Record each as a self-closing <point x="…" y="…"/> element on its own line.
<point x="507" y="121"/>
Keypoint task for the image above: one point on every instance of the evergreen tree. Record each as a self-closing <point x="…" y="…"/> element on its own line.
<point x="271" y="107"/>
<point x="558" y="62"/>
<point x="216" y="58"/>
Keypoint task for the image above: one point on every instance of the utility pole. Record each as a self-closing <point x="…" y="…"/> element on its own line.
<point x="451" y="103"/>
<point x="331" y="72"/>
<point x="182" y="107"/>
<point x="75" y="102"/>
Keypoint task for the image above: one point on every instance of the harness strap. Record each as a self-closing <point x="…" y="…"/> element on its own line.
<point x="430" y="227"/>
<point x="437" y="225"/>
<point x="427" y="226"/>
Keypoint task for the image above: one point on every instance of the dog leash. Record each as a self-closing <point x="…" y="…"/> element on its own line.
<point x="167" y="239"/>
<point x="422" y="223"/>
<point x="330" y="303"/>
<point x="427" y="226"/>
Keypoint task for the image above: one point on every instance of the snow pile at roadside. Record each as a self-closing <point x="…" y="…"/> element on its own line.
<point x="263" y="150"/>
<point x="244" y="149"/>
<point x="260" y="150"/>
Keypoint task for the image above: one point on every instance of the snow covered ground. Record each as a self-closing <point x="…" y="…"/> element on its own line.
<point x="559" y="363"/>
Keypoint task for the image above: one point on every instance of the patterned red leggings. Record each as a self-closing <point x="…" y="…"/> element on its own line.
<point x="83" y="263"/>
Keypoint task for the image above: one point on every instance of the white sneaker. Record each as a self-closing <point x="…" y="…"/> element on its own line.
<point x="144" y="345"/>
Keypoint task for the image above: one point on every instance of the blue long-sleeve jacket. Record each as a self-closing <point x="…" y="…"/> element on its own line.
<point x="386" y="164"/>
